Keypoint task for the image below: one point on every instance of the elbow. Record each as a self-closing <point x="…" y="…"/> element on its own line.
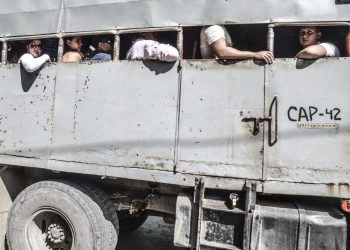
<point x="310" y="53"/>
<point x="307" y="56"/>
<point x="221" y="54"/>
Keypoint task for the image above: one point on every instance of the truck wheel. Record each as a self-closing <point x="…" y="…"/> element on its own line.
<point x="129" y="223"/>
<point x="62" y="215"/>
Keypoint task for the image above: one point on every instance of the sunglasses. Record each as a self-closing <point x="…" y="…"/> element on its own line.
<point x="36" y="46"/>
<point x="308" y="33"/>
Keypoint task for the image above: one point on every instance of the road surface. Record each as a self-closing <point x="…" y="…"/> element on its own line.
<point x="153" y="235"/>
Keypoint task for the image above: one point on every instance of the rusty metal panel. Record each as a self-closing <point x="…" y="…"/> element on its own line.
<point x="21" y="17"/>
<point x="26" y="107"/>
<point x="215" y="98"/>
<point x="121" y="114"/>
<point x="313" y="121"/>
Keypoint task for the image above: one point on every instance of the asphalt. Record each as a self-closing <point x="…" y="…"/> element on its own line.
<point x="154" y="234"/>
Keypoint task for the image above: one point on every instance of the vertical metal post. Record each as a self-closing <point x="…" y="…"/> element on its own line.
<point x="249" y="206"/>
<point x="60" y="50"/>
<point x="198" y="201"/>
<point x="180" y="41"/>
<point x="4" y="52"/>
<point x="270" y="38"/>
<point x="116" y="49"/>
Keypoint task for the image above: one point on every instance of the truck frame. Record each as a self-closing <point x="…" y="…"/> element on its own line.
<point x="237" y="154"/>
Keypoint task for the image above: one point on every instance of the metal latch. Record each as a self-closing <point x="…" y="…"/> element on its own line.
<point x="256" y="122"/>
<point x="234" y="199"/>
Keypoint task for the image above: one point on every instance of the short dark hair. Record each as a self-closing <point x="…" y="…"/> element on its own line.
<point x="27" y="42"/>
<point x="317" y="28"/>
<point x="102" y="39"/>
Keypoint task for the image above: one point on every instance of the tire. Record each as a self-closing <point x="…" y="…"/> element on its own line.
<point x="62" y="215"/>
<point x="128" y="223"/>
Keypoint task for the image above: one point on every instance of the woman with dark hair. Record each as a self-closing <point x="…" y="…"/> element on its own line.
<point x="73" y="53"/>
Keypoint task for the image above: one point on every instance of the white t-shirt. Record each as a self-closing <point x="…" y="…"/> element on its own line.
<point x="152" y="50"/>
<point x="332" y="50"/>
<point x="210" y="35"/>
<point x="31" y="64"/>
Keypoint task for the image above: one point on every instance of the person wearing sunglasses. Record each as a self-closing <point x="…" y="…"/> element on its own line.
<point x="34" y="58"/>
<point x="309" y="39"/>
<point x="102" y="49"/>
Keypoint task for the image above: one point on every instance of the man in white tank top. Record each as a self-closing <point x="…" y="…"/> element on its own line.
<point x="309" y="39"/>
<point x="215" y="42"/>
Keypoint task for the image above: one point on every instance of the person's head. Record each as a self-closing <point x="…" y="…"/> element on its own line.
<point x="35" y="47"/>
<point x="74" y="43"/>
<point x="104" y="44"/>
<point x="309" y="35"/>
<point x="149" y="36"/>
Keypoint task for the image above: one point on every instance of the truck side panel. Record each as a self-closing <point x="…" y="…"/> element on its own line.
<point x="123" y="116"/>
<point x="313" y="121"/>
<point x="214" y="139"/>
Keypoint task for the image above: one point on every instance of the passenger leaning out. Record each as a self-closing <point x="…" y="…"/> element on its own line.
<point x="34" y="58"/>
<point x="102" y="49"/>
<point x="309" y="39"/>
<point x="73" y="47"/>
<point x="215" y="41"/>
<point x="148" y="48"/>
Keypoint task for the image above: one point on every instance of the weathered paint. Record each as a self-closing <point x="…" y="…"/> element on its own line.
<point x="123" y="116"/>
<point x="89" y="127"/>
<point x="26" y="107"/>
<point x="306" y="96"/>
<point x="75" y="15"/>
<point x="215" y="98"/>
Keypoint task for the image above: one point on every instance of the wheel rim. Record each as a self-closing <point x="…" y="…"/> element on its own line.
<point x="49" y="229"/>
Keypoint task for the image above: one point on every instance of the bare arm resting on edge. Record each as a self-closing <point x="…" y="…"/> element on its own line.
<point x="318" y="51"/>
<point x="31" y="64"/>
<point x="222" y="51"/>
<point x="217" y="42"/>
<point x="312" y="52"/>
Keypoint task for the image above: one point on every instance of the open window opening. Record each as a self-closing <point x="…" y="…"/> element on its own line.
<point x="286" y="42"/>
<point x="191" y="42"/>
<point x="96" y="47"/>
<point x="128" y="39"/>
<point x="342" y="1"/>
<point x="15" y="49"/>
<point x="251" y="37"/>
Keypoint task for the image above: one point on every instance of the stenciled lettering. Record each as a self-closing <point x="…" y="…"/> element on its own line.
<point x="289" y="111"/>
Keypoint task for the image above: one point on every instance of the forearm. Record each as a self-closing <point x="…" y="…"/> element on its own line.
<point x="232" y="53"/>
<point x="167" y="53"/>
<point x="312" y="52"/>
<point x="33" y="64"/>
